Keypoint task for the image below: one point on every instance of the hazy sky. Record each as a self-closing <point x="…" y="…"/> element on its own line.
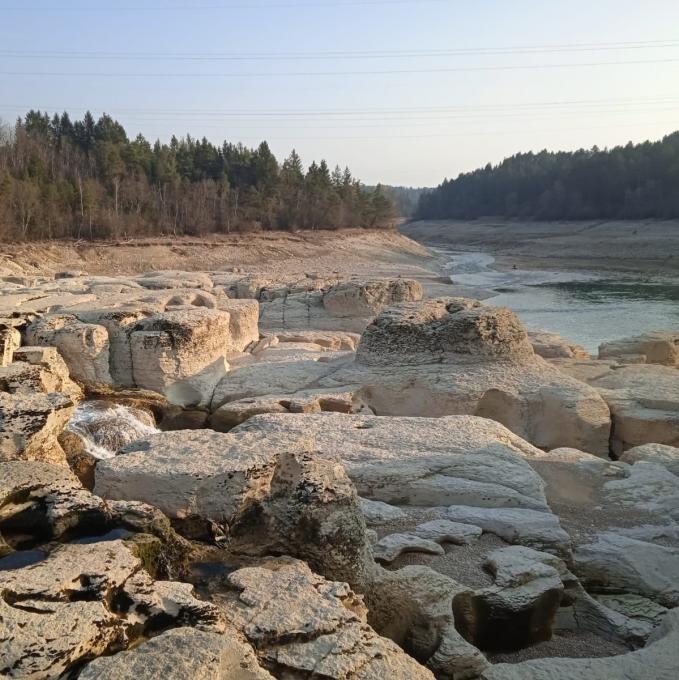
<point x="405" y="92"/>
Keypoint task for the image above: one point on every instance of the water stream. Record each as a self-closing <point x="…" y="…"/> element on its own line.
<point x="105" y="426"/>
<point x="585" y="308"/>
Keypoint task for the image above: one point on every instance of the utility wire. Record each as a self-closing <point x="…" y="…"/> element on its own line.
<point x="425" y="121"/>
<point x="576" y="106"/>
<point x="311" y="74"/>
<point x="479" y="133"/>
<point x="220" y="7"/>
<point x="339" y="55"/>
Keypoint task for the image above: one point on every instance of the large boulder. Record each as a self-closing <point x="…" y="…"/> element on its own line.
<point x="84" y="600"/>
<point x="273" y="500"/>
<point x="667" y="456"/>
<point x="520" y="607"/>
<point x="38" y="369"/>
<point x="454" y="356"/>
<point x="344" y="306"/>
<point x="30" y="425"/>
<point x="301" y="625"/>
<point x="553" y="346"/>
<point x="414" y="606"/>
<point x="169" y="340"/>
<point x="182" y="354"/>
<point x="181" y="654"/>
<point x="84" y="346"/>
<point x="413" y="461"/>
<point x="654" y="347"/>
<point x="616" y="563"/>
<point x="41" y="502"/>
<point x="644" y="404"/>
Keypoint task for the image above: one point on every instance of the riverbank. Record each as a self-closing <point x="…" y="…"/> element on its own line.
<point x="648" y="248"/>
<point x="348" y="251"/>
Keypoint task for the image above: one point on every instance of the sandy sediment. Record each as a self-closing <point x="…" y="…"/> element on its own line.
<point x="648" y="247"/>
<point x="349" y="251"/>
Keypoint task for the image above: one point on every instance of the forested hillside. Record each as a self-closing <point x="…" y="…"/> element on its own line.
<point x="405" y="199"/>
<point x="87" y="179"/>
<point x="630" y="182"/>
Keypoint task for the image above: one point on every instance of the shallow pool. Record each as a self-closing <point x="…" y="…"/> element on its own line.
<point x="581" y="307"/>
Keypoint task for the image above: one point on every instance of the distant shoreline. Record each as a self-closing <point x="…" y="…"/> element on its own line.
<point x="646" y="248"/>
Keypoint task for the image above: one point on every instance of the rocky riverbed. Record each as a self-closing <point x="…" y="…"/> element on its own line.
<point x="349" y="473"/>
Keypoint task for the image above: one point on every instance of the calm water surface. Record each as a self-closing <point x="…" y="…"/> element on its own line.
<point x="581" y="307"/>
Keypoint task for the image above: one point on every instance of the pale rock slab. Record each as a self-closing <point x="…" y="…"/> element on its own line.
<point x="521" y="526"/>
<point x="428" y="611"/>
<point x="649" y="487"/>
<point x="271" y="378"/>
<point x="30" y="425"/>
<point x="168" y="279"/>
<point x="233" y="413"/>
<point x="644" y="404"/>
<point x="445" y="531"/>
<point x="388" y="548"/>
<point x="616" y="563"/>
<point x="415" y="461"/>
<point x="188" y="473"/>
<point x="654" y="347"/>
<point x="376" y="512"/>
<point x="272" y="500"/>
<point x="181" y="654"/>
<point x="301" y="624"/>
<point x="337" y="341"/>
<point x="553" y="346"/>
<point x="667" y="456"/>
<point x="454" y="356"/>
<point x="84" y="347"/>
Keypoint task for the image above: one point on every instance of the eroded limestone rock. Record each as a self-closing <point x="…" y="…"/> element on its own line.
<point x="300" y="624"/>
<point x="388" y="548"/>
<point x="454" y="356"/>
<point x="181" y="654"/>
<point x="644" y="404"/>
<point x="616" y="563"/>
<point x="84" y="346"/>
<point x="267" y="501"/>
<point x="654" y="347"/>
<point x="667" y="456"/>
<point x="83" y="601"/>
<point x="30" y="425"/>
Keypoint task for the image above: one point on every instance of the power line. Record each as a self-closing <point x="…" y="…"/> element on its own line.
<point x="576" y="105"/>
<point x="343" y="55"/>
<point x="222" y="7"/>
<point x="310" y="74"/>
<point x="398" y="121"/>
<point x="451" y="135"/>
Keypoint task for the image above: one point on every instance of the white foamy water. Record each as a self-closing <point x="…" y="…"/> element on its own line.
<point x="106" y="426"/>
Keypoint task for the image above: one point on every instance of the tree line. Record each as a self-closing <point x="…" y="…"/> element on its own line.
<point x="63" y="178"/>
<point x="625" y="182"/>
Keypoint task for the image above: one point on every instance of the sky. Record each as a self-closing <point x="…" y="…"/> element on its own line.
<point x="404" y="92"/>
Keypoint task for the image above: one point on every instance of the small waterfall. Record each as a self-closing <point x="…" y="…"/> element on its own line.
<point x="104" y="426"/>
